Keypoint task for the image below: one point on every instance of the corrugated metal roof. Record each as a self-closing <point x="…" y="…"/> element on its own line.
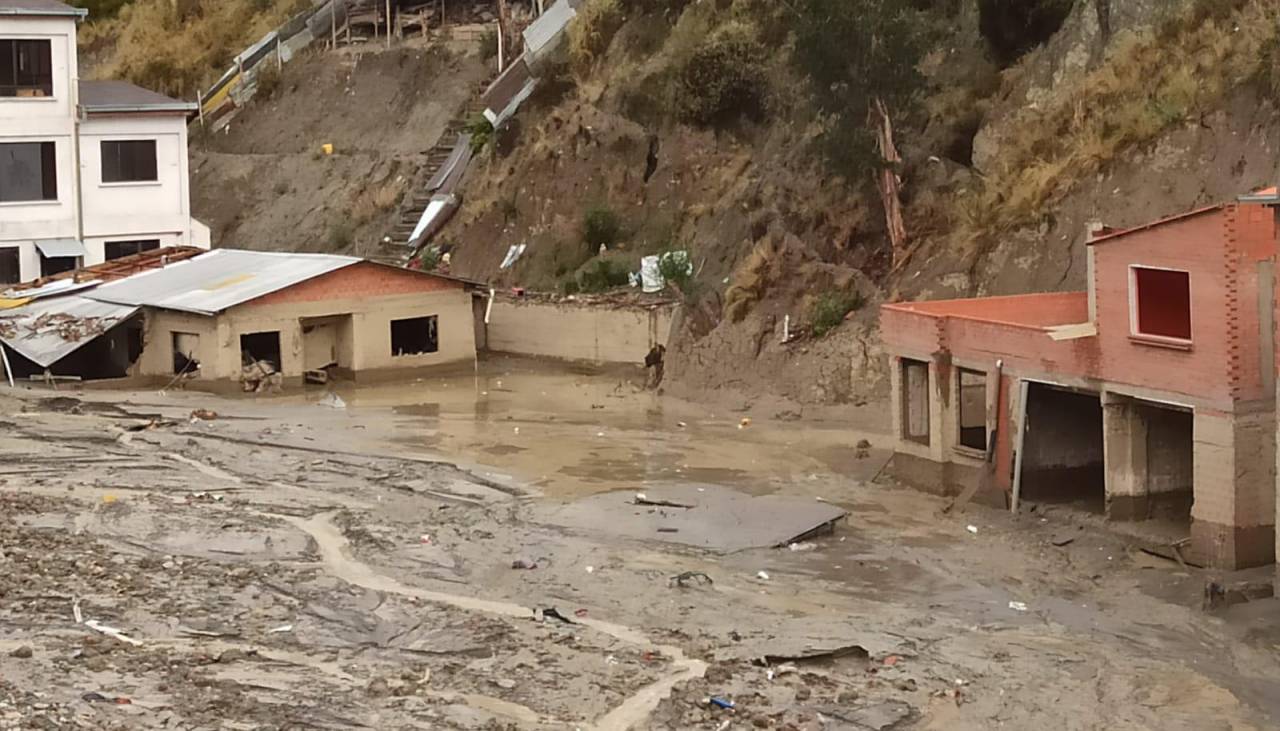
<point x="50" y="289"/>
<point x="546" y="30"/>
<point x="222" y="278"/>
<point x="48" y="330"/>
<point x="40" y="7"/>
<point x="61" y="247"/>
<point x="123" y="97"/>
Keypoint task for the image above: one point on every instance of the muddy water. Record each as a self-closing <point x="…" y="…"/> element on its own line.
<point x="570" y="434"/>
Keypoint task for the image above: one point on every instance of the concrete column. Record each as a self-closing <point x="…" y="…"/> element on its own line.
<point x="1124" y="448"/>
<point x="1233" y="518"/>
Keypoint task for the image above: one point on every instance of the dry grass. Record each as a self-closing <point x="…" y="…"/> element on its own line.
<point x="751" y="280"/>
<point x="591" y="32"/>
<point x="178" y="48"/>
<point x="1148" y="85"/>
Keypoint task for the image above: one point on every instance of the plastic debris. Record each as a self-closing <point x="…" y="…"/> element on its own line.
<point x="591" y="569"/>
<point x="580" y="613"/>
<point x="722" y="703"/>
<point x="553" y="613"/>
<point x="513" y="255"/>
<point x="112" y="632"/>
<point x="1018" y="606"/>
<point x="972" y="529"/>
<point x="689" y="577"/>
<point x="802" y="547"/>
<point x="763" y="576"/>
<point x="333" y="401"/>
<point x="745" y="422"/>
<point x="280" y="629"/>
<point x="524" y="565"/>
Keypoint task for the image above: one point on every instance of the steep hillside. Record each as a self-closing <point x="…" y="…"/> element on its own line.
<point x="264" y="182"/>
<point x="1032" y="119"/>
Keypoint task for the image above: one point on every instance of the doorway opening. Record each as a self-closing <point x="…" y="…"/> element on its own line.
<point x="915" y="401"/>
<point x="260" y="346"/>
<point x="1170" y="465"/>
<point x="1062" y="453"/>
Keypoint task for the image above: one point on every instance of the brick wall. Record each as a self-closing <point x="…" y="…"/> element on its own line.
<point x="364" y="279"/>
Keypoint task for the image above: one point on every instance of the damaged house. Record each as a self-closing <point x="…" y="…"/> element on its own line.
<point x="205" y="316"/>
<point x="1149" y="397"/>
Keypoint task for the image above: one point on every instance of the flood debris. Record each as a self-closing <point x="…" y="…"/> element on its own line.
<point x="112" y="632"/>
<point x="261" y="376"/>
<point x="642" y="499"/>
<point x="813" y="654"/>
<point x="552" y="613"/>
<point x="686" y="578"/>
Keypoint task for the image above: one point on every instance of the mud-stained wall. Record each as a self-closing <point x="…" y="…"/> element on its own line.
<point x="571" y="331"/>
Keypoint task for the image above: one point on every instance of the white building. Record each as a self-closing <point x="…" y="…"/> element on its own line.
<point x="89" y="170"/>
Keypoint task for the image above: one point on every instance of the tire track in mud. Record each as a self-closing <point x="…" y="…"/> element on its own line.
<point x="631" y="712"/>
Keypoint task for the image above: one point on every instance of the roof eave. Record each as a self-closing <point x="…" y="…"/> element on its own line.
<point x="77" y="13"/>
<point x="186" y="108"/>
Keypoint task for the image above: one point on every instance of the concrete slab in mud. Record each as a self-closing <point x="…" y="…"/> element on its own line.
<point x="717" y="518"/>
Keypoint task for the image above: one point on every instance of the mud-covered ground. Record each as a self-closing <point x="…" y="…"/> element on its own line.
<point x="294" y="565"/>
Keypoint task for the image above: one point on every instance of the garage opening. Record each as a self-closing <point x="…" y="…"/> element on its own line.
<point x="915" y="401"/>
<point x="1170" y="465"/>
<point x="973" y="408"/>
<point x="415" y="336"/>
<point x="263" y="346"/>
<point x="1062" y="454"/>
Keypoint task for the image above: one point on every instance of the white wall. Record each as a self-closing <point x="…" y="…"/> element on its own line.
<point x="146" y="210"/>
<point x="43" y="120"/>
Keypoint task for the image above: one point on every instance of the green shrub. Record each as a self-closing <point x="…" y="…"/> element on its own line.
<point x="592" y="31"/>
<point x="481" y="131"/>
<point x="723" y="80"/>
<point x="676" y="269"/>
<point x="601" y="226"/>
<point x="604" y="274"/>
<point x="829" y="310"/>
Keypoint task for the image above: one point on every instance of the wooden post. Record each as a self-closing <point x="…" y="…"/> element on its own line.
<point x="333" y="24"/>
<point x="388" y="23"/>
<point x="200" y="108"/>
<point x="279" y="58"/>
<point x="500" y="45"/>
<point x="346" y="20"/>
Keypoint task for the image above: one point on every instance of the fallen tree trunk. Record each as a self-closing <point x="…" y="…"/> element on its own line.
<point x="888" y="183"/>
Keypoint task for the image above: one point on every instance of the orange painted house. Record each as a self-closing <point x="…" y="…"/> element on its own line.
<point x="1151" y="396"/>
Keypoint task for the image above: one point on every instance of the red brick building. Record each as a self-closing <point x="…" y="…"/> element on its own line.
<point x="1151" y="396"/>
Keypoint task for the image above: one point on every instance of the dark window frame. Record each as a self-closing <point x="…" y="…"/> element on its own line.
<point x="403" y="335"/>
<point x="137" y="247"/>
<point x="916" y="384"/>
<point x="26" y="68"/>
<point x="1155" y="321"/>
<point x="48" y="172"/>
<point x="10" y="256"/>
<point x="128" y="161"/>
<point x="965" y="434"/>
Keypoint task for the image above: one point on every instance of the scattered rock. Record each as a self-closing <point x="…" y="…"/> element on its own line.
<point x="22" y="653"/>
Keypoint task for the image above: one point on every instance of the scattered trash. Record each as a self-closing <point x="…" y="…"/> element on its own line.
<point x="972" y="529"/>
<point x="684" y="579"/>
<point x="891" y="660"/>
<point x="505" y="683"/>
<point x="203" y="415"/>
<point x="327" y="148"/>
<point x="1060" y="542"/>
<point x="425" y="539"/>
<point x="112" y="632"/>
<point x="1018" y="606"/>
<point x="746" y="422"/>
<point x="553" y="613"/>
<point x="668" y="530"/>
<point x="763" y="576"/>
<point x="814" y="654"/>
<point x="333" y="401"/>
<point x="642" y="499"/>
<point x="681" y="424"/>
<point x="108" y="499"/>
<point x="100" y="698"/>
<point x="722" y="703"/>
<point x="524" y="565"/>
<point x="280" y="629"/>
<point x="513" y="255"/>
<point x="591" y="569"/>
<point x="203" y="497"/>
<point x="802" y="547"/>
<point x="580" y="613"/>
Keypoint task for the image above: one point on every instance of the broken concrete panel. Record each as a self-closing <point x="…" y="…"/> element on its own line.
<point x="597" y="333"/>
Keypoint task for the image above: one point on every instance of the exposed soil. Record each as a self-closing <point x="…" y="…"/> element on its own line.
<point x="264" y="183"/>
<point x="294" y="565"/>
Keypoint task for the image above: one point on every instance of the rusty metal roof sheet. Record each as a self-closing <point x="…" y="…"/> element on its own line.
<point x="219" y="279"/>
<point x="46" y="331"/>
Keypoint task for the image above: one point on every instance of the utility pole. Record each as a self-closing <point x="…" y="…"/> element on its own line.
<point x="388" y="23"/>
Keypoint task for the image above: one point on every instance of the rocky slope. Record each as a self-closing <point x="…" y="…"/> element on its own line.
<point x="1130" y="110"/>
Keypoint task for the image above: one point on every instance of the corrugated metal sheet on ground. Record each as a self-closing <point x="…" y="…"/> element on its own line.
<point x="48" y="330"/>
<point x="222" y="278"/>
<point x="450" y="173"/>
<point x="437" y="214"/>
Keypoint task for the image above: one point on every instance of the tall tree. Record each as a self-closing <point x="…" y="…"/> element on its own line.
<point x="862" y="58"/>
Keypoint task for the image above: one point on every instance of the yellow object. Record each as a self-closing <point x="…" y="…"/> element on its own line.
<point x="327" y="148"/>
<point x="9" y="304"/>
<point x="108" y="498"/>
